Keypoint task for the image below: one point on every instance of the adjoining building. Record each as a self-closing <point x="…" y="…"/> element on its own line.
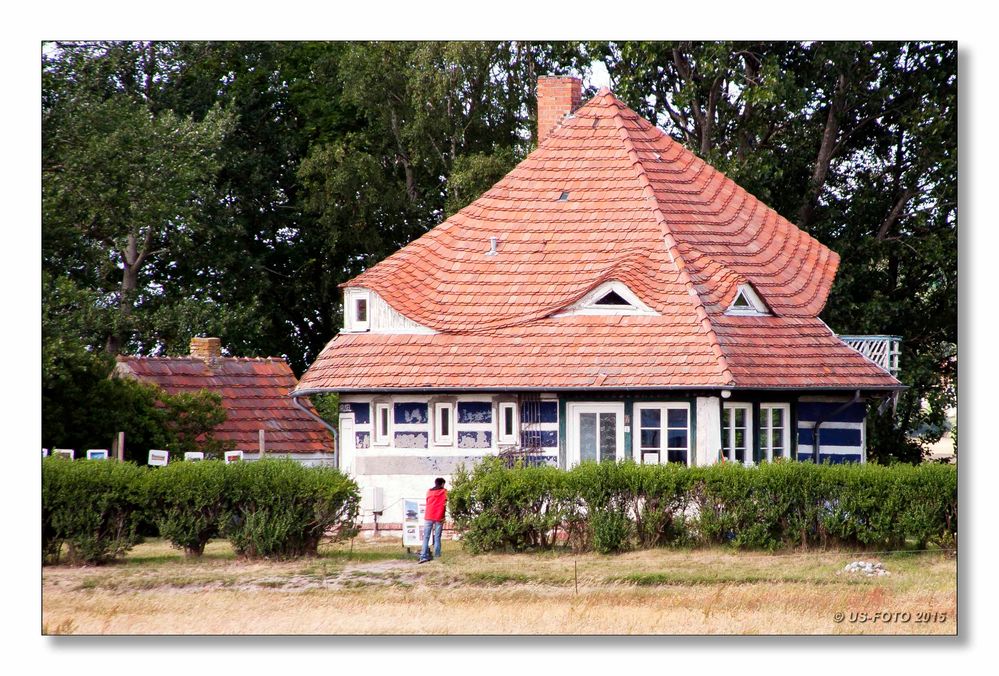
<point x="255" y="395"/>
<point x="612" y="298"/>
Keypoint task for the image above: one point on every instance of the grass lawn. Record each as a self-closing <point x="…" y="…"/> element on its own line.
<point x="376" y="587"/>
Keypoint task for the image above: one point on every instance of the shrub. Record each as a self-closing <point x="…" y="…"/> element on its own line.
<point x="611" y="531"/>
<point x="610" y="506"/>
<point x="279" y="508"/>
<point x="91" y="506"/>
<point x="503" y="508"/>
<point x="188" y="501"/>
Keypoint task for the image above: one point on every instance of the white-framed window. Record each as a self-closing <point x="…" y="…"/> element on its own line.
<point x="382" y="424"/>
<point x="443" y="423"/>
<point x="610" y="298"/>
<point x="357" y="309"/>
<point x="775" y="431"/>
<point x="662" y="433"/>
<point x="737" y="433"/>
<point x="508" y="424"/>
<point x="747" y="302"/>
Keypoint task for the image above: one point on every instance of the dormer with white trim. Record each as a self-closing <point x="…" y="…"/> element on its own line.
<point x="365" y="311"/>
<point x="747" y="303"/>
<point x="610" y="298"/>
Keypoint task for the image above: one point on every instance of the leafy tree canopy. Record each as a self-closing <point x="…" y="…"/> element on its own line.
<point x="228" y="188"/>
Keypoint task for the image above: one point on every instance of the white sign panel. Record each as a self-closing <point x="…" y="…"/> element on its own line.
<point x="97" y="454"/>
<point x="159" y="458"/>
<point x="45" y="452"/>
<point x="194" y="456"/>
<point x="233" y="456"/>
<point x="64" y="452"/>
<point x="413" y="517"/>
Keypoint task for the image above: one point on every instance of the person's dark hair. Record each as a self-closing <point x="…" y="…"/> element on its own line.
<point x="439" y="482"/>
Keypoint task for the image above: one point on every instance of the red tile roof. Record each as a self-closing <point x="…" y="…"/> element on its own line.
<point x="254" y="394"/>
<point x="641" y="209"/>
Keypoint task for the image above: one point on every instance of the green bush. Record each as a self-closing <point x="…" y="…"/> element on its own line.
<point x="613" y="506"/>
<point x="269" y="508"/>
<point x="610" y="530"/>
<point x="279" y="508"/>
<point x="188" y="501"/>
<point x="93" y="507"/>
<point x="514" y="509"/>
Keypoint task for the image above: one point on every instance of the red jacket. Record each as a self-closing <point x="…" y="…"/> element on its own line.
<point x="436" y="504"/>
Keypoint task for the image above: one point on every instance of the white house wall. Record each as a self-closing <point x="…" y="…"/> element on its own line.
<point x="382" y="317"/>
<point x="410" y="461"/>
<point x="709" y="441"/>
<point x="307" y="459"/>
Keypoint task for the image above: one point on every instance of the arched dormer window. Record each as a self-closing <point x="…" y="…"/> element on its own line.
<point x="747" y="303"/>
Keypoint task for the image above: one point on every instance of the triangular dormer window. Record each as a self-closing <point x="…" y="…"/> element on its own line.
<point x="612" y="299"/>
<point x="747" y="302"/>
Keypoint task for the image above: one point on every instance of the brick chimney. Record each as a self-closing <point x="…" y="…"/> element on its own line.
<point x="206" y="349"/>
<point x="557" y="97"/>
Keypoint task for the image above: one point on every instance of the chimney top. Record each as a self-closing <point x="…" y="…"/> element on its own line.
<point x="557" y="97"/>
<point x="206" y="349"/>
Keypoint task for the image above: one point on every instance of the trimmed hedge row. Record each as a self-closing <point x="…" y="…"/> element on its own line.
<point x="617" y="506"/>
<point x="268" y="508"/>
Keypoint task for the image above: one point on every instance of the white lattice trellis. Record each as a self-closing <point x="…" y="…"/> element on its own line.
<point x="882" y="350"/>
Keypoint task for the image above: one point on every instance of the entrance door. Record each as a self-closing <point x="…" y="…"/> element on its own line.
<point x="595" y="433"/>
<point x="348" y="446"/>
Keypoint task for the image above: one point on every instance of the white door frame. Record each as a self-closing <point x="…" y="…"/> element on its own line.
<point x="348" y="443"/>
<point x="572" y="411"/>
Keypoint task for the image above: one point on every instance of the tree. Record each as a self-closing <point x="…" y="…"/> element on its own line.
<point x="131" y="183"/>
<point x="856" y="143"/>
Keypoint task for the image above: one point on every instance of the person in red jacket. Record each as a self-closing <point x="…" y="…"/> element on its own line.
<point x="434" y="514"/>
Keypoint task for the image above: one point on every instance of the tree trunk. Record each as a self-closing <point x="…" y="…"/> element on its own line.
<point x="132" y="259"/>
<point x="806" y="215"/>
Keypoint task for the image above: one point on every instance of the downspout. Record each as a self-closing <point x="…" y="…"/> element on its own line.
<point x="822" y="419"/>
<point x="336" y="437"/>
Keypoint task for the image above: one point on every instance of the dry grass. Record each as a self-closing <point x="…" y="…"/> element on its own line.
<point x="377" y="588"/>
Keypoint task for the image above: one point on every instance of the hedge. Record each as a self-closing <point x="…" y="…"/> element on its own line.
<point x="617" y="506"/>
<point x="268" y="508"/>
<point x="92" y="507"/>
<point x="279" y="508"/>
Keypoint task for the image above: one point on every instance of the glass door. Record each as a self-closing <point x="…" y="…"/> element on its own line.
<point x="596" y="432"/>
<point x="737" y="433"/>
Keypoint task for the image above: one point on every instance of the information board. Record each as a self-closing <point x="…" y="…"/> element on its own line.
<point x="413" y="518"/>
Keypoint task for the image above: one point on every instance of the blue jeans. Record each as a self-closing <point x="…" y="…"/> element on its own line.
<point x="436" y="527"/>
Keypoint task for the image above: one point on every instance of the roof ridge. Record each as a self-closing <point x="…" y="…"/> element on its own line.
<point x="671" y="246"/>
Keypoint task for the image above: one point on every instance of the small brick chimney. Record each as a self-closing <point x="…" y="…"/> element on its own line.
<point x="206" y="349"/>
<point x="557" y="97"/>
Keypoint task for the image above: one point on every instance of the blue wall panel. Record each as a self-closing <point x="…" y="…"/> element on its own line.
<point x="362" y="439"/>
<point x="483" y="439"/>
<point x="362" y="412"/>
<point x="810" y="411"/>
<point x="547" y="409"/>
<point x="411" y="413"/>
<point x="475" y="412"/>
<point x="536" y="438"/>
<point x="829" y="436"/>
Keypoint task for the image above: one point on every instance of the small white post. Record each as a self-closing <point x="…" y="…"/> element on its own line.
<point x="260" y="439"/>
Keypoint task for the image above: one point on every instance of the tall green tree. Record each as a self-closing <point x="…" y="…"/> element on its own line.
<point x="856" y="143"/>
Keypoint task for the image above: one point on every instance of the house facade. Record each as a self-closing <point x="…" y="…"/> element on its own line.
<point x="612" y="298"/>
